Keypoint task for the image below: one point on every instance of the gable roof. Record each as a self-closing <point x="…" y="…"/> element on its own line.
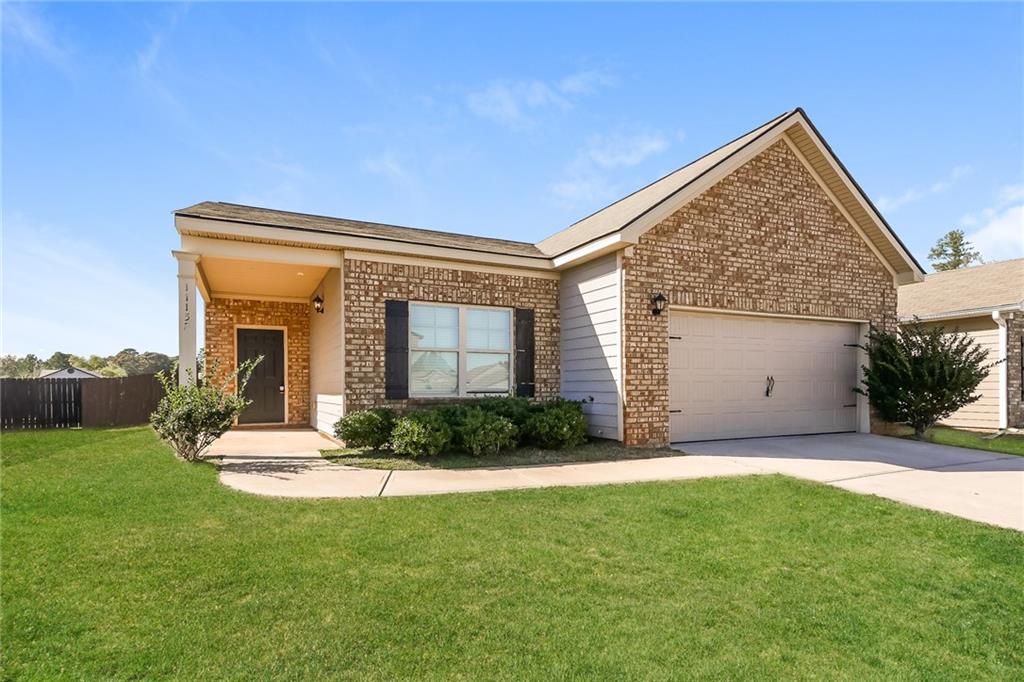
<point x="251" y="215"/>
<point x="47" y="373"/>
<point x="960" y="293"/>
<point x="622" y="213"/>
<point x="617" y="225"/>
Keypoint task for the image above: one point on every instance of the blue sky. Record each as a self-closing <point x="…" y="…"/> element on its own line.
<point x="501" y="120"/>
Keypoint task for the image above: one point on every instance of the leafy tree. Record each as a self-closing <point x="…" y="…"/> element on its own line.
<point x="59" y="361"/>
<point x="953" y="251"/>
<point x="20" y="368"/>
<point x="920" y="375"/>
<point x="191" y="416"/>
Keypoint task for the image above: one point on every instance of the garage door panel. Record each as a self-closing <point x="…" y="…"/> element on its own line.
<point x="719" y="366"/>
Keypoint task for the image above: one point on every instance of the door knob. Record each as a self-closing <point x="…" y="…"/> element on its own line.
<point x="281" y="388"/>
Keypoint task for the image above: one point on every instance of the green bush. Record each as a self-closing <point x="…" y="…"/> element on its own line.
<point x="921" y="375"/>
<point x="421" y="434"/>
<point x="191" y="416"/>
<point x="486" y="433"/>
<point x="516" y="410"/>
<point x="366" y="428"/>
<point x="558" y="424"/>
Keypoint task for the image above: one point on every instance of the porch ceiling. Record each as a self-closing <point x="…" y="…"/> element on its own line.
<point x="227" y="277"/>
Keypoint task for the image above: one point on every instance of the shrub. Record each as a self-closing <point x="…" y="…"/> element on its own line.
<point x="421" y="434"/>
<point x="921" y="375"/>
<point x="482" y="433"/>
<point x="558" y="424"/>
<point x="191" y="416"/>
<point x="516" y="410"/>
<point x="366" y="428"/>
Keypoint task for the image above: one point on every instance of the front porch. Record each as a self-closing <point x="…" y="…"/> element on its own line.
<point x="279" y="302"/>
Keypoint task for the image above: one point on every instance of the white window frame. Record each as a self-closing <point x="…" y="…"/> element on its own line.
<point x="463" y="351"/>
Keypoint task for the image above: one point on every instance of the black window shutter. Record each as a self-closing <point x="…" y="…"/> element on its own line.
<point x="396" y="350"/>
<point x="524" y="352"/>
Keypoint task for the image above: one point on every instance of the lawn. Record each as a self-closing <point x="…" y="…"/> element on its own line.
<point x="597" y="450"/>
<point x="121" y="562"/>
<point x="1008" y="444"/>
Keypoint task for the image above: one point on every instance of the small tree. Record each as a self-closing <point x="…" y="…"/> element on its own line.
<point x="953" y="251"/>
<point x="192" y="415"/>
<point x="921" y="375"/>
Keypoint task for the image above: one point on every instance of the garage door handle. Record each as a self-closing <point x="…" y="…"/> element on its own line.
<point x="769" y="386"/>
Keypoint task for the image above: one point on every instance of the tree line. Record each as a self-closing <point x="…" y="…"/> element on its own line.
<point x="128" y="362"/>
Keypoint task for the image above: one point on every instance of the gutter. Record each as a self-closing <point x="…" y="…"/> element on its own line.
<point x="968" y="312"/>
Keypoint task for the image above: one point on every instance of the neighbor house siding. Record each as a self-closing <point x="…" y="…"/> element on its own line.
<point x="591" y="332"/>
<point x="765" y="239"/>
<point x="984" y="412"/>
<point x="326" y="355"/>
<point x="223" y="316"/>
<point x="367" y="284"/>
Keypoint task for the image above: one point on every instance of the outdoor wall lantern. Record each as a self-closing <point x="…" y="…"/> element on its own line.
<point x="658" y="303"/>
<point x="318" y="304"/>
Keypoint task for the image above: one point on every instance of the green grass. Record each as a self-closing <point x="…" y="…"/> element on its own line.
<point x="120" y="562"/>
<point x="594" y="451"/>
<point x="1007" y="444"/>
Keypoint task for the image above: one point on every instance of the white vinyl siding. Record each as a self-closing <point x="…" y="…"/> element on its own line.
<point x="326" y="356"/>
<point x="719" y="367"/>
<point x="591" y="309"/>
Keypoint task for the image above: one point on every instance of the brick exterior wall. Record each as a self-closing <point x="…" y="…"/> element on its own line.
<point x="1014" y="339"/>
<point x="369" y="283"/>
<point x="765" y="239"/>
<point x="222" y="316"/>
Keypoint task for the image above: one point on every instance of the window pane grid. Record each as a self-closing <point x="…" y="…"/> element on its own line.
<point x="459" y="350"/>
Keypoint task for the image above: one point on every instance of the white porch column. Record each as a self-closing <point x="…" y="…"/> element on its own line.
<point x="187" y="315"/>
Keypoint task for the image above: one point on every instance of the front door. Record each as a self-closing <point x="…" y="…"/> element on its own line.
<point x="266" y="385"/>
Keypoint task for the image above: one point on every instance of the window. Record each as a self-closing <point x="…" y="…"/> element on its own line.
<point x="459" y="350"/>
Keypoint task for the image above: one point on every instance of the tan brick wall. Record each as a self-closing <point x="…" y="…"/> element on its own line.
<point x="765" y="239"/>
<point x="368" y="284"/>
<point x="222" y="317"/>
<point x="1014" y="338"/>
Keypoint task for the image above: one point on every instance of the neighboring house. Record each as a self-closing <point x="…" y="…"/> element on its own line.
<point x="986" y="302"/>
<point x="770" y="260"/>
<point x="67" y="373"/>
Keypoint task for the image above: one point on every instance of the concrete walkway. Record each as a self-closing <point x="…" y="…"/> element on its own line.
<point x="967" y="483"/>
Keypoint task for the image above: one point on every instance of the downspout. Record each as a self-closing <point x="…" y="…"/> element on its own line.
<point x="1003" y="396"/>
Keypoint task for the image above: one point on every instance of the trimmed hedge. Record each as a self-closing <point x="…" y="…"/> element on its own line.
<point x="478" y="427"/>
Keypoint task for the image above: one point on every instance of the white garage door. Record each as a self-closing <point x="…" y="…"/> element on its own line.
<point x="722" y="367"/>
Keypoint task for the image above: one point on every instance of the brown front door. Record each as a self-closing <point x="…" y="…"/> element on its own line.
<point x="266" y="385"/>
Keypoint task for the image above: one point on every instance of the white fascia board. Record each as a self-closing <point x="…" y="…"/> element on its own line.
<point x="918" y="274"/>
<point x="319" y="240"/>
<point x="642" y="224"/>
<point x="592" y="250"/>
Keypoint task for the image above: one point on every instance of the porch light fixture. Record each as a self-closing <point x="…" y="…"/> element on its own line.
<point x="658" y="303"/>
<point x="318" y="304"/>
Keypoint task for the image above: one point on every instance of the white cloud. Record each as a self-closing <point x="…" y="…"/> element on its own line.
<point x="586" y="82"/>
<point x="146" y="58"/>
<point x="389" y="166"/>
<point x="23" y="25"/>
<point x="1002" y="237"/>
<point x="913" y="194"/>
<point x="517" y="103"/>
<point x="998" y="231"/>
<point x="586" y="177"/>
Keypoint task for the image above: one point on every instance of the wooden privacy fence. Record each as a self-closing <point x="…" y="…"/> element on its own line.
<point x="67" y="403"/>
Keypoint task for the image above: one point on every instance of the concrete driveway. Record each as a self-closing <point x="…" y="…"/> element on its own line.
<point x="975" y="485"/>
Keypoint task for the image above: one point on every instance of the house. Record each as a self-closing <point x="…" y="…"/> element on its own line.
<point x="987" y="303"/>
<point x="67" y="373"/>
<point x="724" y="300"/>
